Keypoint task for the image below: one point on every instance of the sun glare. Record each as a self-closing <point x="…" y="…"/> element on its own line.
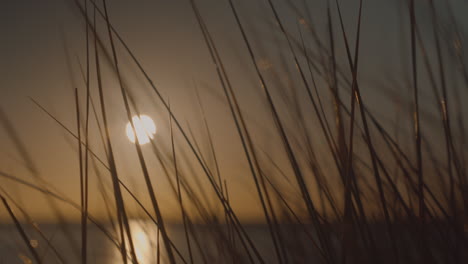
<point x="144" y="241"/>
<point x="144" y="127"/>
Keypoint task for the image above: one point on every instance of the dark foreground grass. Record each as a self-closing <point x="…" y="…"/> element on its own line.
<point x="384" y="199"/>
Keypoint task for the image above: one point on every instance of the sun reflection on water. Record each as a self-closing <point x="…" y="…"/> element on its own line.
<point x="142" y="245"/>
<point x="144" y="236"/>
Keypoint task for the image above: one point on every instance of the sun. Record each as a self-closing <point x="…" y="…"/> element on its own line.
<point x="144" y="127"/>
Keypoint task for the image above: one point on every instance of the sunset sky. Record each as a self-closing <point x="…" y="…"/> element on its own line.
<point x="43" y="47"/>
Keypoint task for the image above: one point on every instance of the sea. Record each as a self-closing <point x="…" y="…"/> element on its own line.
<point x="61" y="243"/>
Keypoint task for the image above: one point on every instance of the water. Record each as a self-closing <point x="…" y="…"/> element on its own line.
<point x="212" y="246"/>
<point x="66" y="241"/>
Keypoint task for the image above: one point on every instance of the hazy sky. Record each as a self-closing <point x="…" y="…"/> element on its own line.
<point x="43" y="46"/>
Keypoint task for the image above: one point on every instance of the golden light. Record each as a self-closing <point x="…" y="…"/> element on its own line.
<point x="144" y="127"/>
<point x="142" y="245"/>
<point x="144" y="240"/>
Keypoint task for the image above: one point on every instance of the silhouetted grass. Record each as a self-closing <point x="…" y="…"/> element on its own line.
<point x="377" y="203"/>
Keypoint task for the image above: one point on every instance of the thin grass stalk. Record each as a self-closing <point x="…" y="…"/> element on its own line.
<point x="229" y="225"/>
<point x="326" y="129"/>
<point x="176" y="122"/>
<point x="105" y="196"/>
<point x="121" y="214"/>
<point x="443" y="111"/>
<point x="447" y="131"/>
<point x="95" y="156"/>
<point x="81" y="176"/>
<point x="220" y="233"/>
<point x="324" y="239"/>
<point x="21" y="231"/>
<point x="211" y="176"/>
<point x="444" y="103"/>
<point x="108" y="168"/>
<point x="460" y="54"/>
<point x="323" y="188"/>
<point x="417" y="132"/>
<point x="333" y="82"/>
<point x="210" y="139"/>
<point x="35" y="226"/>
<point x="317" y="109"/>
<point x="84" y="219"/>
<point x="62" y="199"/>
<point x="354" y="69"/>
<point x="179" y="194"/>
<point x="32" y="168"/>
<point x="245" y="139"/>
<point x="295" y="216"/>
<point x="138" y="147"/>
<point x="116" y="187"/>
<point x="240" y="125"/>
<point x="238" y="226"/>
<point x="416" y="129"/>
<point x="350" y="181"/>
<point x="373" y="154"/>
